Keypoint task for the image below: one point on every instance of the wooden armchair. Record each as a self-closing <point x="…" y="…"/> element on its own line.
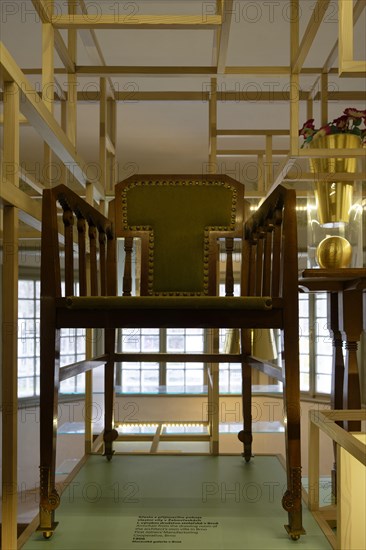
<point x="178" y="219"/>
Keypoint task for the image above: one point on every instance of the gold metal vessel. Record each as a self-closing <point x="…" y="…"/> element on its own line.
<point x="334" y="252"/>
<point x="333" y="197"/>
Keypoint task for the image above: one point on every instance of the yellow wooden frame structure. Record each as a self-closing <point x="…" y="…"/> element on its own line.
<point x="326" y="421"/>
<point x="347" y="63"/>
<point x="61" y="141"/>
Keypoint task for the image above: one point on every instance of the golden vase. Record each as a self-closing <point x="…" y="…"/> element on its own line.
<point x="333" y="197"/>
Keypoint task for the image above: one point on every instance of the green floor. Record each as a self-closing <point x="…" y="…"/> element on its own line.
<point x="187" y="502"/>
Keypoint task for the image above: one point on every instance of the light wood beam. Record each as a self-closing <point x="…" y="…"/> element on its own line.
<point x="147" y="70"/>
<point x="27" y="178"/>
<point x="29" y="210"/>
<point x="260" y="183"/>
<point x="22" y="119"/>
<point x="250" y="152"/>
<point x="63" y="52"/>
<point x="265" y="70"/>
<point x="299" y="175"/>
<point x="227" y="9"/>
<point x="91" y="44"/>
<point x="60" y="95"/>
<point x="328" y="153"/>
<point x="310" y="33"/>
<point x="294" y="114"/>
<point x="346" y="62"/>
<point x="111" y="141"/>
<point x="10" y="322"/>
<point x="328" y="65"/>
<point x="309" y="108"/>
<point x="212" y="106"/>
<point x="216" y="35"/>
<point x="269" y="162"/>
<point x="357" y="11"/>
<point x="221" y="96"/>
<point x="343" y="96"/>
<point x="268" y="70"/>
<point x="71" y="105"/>
<point x="324" y="98"/>
<point x="103" y="133"/>
<point x="44" y="123"/>
<point x="157" y="96"/>
<point x="259" y="96"/>
<point x="282" y="173"/>
<point x="44" y="9"/>
<point x="345" y="32"/>
<point x="137" y="21"/>
<point x="48" y="87"/>
<point x="238" y="133"/>
<point x="294" y="78"/>
<point x="345" y="439"/>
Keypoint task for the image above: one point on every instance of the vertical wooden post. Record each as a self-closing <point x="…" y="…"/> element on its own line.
<point x="72" y="80"/>
<point x="309" y="108"/>
<point x="260" y="184"/>
<point x="112" y="135"/>
<point x="324" y="98"/>
<point x="212" y="117"/>
<point x="10" y="323"/>
<point x="48" y="42"/>
<point x="345" y="37"/>
<point x="294" y="79"/>
<point x="213" y="393"/>
<point x="313" y="466"/>
<point x="88" y="353"/>
<point x="103" y="132"/>
<point x="269" y="163"/>
<point x="88" y="378"/>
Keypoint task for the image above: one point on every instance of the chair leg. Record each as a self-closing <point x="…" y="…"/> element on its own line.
<point x="245" y="436"/>
<point x="291" y="500"/>
<point x="213" y="409"/>
<point x="49" y="385"/>
<point x="110" y="434"/>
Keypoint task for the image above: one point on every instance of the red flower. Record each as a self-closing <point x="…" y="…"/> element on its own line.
<point x="354" y="113"/>
<point x="349" y="123"/>
<point x="308" y="128"/>
<point x="341" y="122"/>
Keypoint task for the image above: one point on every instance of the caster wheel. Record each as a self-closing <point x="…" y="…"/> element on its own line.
<point x="247" y="458"/>
<point x="109" y="457"/>
<point x="295" y="537"/>
<point x="47" y="534"/>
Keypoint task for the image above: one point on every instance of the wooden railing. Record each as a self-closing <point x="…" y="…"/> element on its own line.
<point x="95" y="239"/>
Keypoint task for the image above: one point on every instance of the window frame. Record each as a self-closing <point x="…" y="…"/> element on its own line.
<point x="32" y="274"/>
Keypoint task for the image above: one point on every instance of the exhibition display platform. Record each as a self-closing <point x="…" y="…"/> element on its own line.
<point x="171" y="501"/>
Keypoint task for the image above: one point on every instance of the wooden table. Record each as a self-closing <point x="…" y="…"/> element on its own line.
<point x="346" y="320"/>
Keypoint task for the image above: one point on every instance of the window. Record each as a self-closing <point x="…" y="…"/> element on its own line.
<point x="315" y="344"/>
<point x="148" y="377"/>
<point x="304" y="342"/>
<point x="28" y="338"/>
<point x="72" y="344"/>
<point x="180" y="377"/>
<point x="323" y="351"/>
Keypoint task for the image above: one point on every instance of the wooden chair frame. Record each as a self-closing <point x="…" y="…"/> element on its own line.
<point x="268" y="300"/>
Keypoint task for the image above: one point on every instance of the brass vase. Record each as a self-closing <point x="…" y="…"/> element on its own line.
<point x="333" y="197"/>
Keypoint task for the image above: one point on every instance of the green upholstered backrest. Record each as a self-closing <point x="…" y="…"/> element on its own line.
<point x="177" y="217"/>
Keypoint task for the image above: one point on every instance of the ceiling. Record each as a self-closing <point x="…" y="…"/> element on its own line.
<point x="173" y="136"/>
